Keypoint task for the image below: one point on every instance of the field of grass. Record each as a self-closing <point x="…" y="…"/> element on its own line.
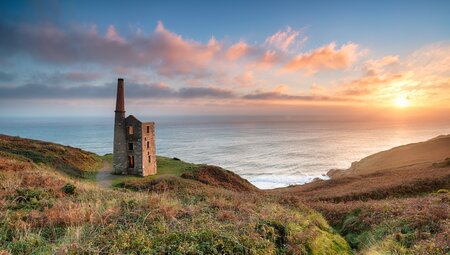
<point x="166" y="167"/>
<point x="43" y="211"/>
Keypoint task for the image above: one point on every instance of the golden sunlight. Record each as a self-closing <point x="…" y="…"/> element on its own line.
<point x="402" y="101"/>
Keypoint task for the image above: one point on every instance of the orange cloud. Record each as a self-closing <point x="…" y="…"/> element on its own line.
<point x="246" y="79"/>
<point x="373" y="66"/>
<point x="422" y="78"/>
<point x="327" y="57"/>
<point x="284" y="39"/>
<point x="267" y="60"/>
<point x="182" y="56"/>
<point x="237" y="50"/>
<point x="368" y="85"/>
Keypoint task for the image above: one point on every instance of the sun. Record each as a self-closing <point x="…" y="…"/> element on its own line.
<point x="402" y="101"/>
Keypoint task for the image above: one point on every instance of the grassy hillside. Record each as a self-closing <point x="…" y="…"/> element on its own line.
<point x="64" y="158"/>
<point x="174" y="174"/>
<point x="43" y="211"/>
<point x="414" y="154"/>
<point x="399" y="204"/>
<point x="166" y="166"/>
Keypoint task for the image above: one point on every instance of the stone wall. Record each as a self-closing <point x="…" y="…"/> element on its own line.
<point x="136" y="140"/>
<point x="148" y="149"/>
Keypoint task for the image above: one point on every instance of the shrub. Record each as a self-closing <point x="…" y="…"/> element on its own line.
<point x="274" y="232"/>
<point x="69" y="189"/>
<point x="29" y="244"/>
<point x="202" y="242"/>
<point x="31" y="199"/>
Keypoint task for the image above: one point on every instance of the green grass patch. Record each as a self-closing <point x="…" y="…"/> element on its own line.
<point x="108" y="158"/>
<point x="166" y="166"/>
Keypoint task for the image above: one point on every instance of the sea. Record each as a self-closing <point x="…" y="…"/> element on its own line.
<point x="270" y="152"/>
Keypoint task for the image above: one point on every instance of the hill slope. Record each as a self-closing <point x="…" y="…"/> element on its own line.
<point x="172" y="172"/>
<point x="415" y="154"/>
<point x="43" y="211"/>
<point x="395" y="201"/>
<point x="64" y="158"/>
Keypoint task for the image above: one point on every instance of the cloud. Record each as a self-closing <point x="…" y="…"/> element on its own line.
<point x="167" y="52"/>
<point x="282" y="40"/>
<point x="178" y="56"/>
<point x="422" y="77"/>
<point x="273" y="95"/>
<point x="237" y="50"/>
<point x="81" y="76"/>
<point x="373" y="66"/>
<point x="267" y="60"/>
<point x="433" y="59"/>
<point x="7" y="77"/>
<point x="246" y="79"/>
<point x="191" y="66"/>
<point x="279" y="94"/>
<point x="327" y="57"/>
<point x="207" y="92"/>
<point x="63" y="78"/>
<point x="133" y="90"/>
<point x="113" y="35"/>
<point x="369" y="84"/>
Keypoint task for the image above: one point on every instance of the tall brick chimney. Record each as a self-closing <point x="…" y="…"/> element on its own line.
<point x="120" y="149"/>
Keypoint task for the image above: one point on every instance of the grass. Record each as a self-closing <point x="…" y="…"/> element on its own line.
<point x="43" y="211"/>
<point x="62" y="158"/>
<point x="166" y="167"/>
<point x="415" y="225"/>
<point x="172" y="173"/>
<point x="108" y="158"/>
<point x="398" y="211"/>
<point x="200" y="209"/>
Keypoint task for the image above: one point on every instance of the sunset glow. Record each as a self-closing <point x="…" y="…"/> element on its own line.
<point x="174" y="65"/>
<point x="402" y="101"/>
<point x="224" y="127"/>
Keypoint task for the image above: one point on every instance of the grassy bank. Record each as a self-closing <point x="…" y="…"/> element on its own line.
<point x="66" y="159"/>
<point x="43" y="210"/>
<point x="386" y="204"/>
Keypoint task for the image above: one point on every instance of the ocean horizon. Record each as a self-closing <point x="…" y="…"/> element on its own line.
<point x="269" y="152"/>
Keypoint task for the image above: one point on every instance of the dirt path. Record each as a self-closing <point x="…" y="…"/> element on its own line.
<point x="104" y="177"/>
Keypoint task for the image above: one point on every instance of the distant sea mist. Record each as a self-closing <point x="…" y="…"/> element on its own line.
<point x="268" y="151"/>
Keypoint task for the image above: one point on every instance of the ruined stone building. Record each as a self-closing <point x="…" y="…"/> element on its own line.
<point x="134" y="141"/>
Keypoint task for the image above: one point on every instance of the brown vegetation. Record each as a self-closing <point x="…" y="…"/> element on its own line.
<point x="390" y="202"/>
<point x="45" y="212"/>
<point x="216" y="176"/>
<point x="64" y="158"/>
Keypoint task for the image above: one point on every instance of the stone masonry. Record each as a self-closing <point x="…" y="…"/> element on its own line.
<point x="134" y="141"/>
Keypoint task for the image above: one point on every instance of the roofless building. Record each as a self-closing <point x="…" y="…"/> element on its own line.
<point x="134" y="141"/>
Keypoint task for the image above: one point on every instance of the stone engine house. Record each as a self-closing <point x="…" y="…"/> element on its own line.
<point x="134" y="141"/>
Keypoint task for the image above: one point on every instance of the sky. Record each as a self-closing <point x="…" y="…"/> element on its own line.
<point x="317" y="58"/>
